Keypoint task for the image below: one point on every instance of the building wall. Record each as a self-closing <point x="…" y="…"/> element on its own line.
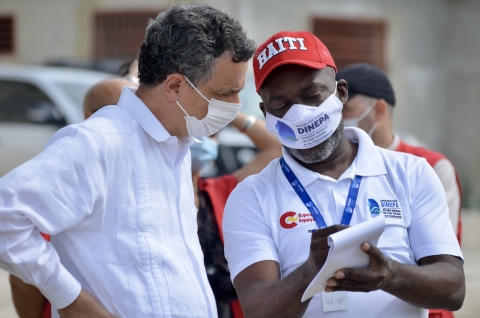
<point x="432" y="54"/>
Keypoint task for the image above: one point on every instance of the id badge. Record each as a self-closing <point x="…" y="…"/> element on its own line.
<point x="335" y="301"/>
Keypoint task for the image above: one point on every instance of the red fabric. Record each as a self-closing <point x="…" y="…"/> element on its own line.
<point x="47" y="310"/>
<point x="218" y="190"/>
<point x="440" y="313"/>
<point x="432" y="158"/>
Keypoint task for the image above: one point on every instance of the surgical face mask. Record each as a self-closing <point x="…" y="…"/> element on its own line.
<point x="219" y="115"/>
<point x="353" y="122"/>
<point x="203" y="153"/>
<point x="304" y="127"/>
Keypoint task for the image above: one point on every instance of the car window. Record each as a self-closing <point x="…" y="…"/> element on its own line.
<point x="23" y="102"/>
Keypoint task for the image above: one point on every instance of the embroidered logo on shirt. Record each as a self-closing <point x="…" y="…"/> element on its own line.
<point x="373" y="207"/>
<point x="391" y="209"/>
<point x="290" y="219"/>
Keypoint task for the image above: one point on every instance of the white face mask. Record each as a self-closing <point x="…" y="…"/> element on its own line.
<point x="219" y="115"/>
<point x="353" y="122"/>
<point x="304" y="127"/>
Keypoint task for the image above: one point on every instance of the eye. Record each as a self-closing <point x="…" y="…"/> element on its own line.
<point x="313" y="97"/>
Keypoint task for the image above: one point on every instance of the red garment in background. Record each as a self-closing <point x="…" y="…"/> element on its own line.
<point x="47" y="310"/>
<point x="218" y="189"/>
<point x="432" y="158"/>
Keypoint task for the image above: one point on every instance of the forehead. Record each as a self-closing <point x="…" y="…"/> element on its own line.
<point x="228" y="74"/>
<point x="295" y="79"/>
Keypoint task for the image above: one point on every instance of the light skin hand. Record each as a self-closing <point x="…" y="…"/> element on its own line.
<point x="438" y="281"/>
<point x="85" y="306"/>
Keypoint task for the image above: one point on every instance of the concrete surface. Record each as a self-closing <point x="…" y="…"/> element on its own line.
<point x="471" y="250"/>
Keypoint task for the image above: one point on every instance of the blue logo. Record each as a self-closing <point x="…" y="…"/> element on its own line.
<point x="285" y="132"/>
<point x="373" y="207"/>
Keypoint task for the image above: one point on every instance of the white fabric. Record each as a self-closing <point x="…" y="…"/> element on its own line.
<point x="219" y="115"/>
<point x="446" y="173"/>
<point x="116" y="194"/>
<point x="259" y="205"/>
<point x="304" y="127"/>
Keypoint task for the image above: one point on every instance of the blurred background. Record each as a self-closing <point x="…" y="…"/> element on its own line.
<point x="52" y="51"/>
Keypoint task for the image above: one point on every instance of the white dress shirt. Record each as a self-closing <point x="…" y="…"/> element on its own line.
<point x="115" y="192"/>
<point x="266" y="220"/>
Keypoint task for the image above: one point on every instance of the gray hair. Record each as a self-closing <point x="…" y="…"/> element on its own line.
<point x="186" y="39"/>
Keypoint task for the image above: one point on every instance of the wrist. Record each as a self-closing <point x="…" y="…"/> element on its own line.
<point x="390" y="282"/>
<point x="248" y="123"/>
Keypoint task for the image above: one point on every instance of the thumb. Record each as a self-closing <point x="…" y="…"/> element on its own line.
<point x="372" y="251"/>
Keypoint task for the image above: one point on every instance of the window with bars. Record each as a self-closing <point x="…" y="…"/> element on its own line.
<point x="120" y="34"/>
<point x="6" y="34"/>
<point x="353" y="41"/>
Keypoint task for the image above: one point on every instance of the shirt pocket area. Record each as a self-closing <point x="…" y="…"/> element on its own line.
<point x="136" y="227"/>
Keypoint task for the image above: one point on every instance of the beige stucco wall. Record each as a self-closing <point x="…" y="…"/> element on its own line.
<point x="432" y="54"/>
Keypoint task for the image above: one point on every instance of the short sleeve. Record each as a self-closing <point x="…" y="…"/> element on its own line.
<point x="248" y="238"/>
<point x="431" y="232"/>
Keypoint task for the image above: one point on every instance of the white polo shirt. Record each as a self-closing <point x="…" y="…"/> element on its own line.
<point x="266" y="220"/>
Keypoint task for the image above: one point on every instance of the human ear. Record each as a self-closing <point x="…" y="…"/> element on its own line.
<point x="380" y="109"/>
<point x="342" y="91"/>
<point x="262" y="108"/>
<point x="173" y="84"/>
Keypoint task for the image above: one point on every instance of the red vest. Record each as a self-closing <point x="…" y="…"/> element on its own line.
<point x="432" y="158"/>
<point x="218" y="190"/>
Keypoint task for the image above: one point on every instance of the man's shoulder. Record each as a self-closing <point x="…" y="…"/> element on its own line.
<point x="266" y="176"/>
<point x="402" y="164"/>
<point x="431" y="156"/>
<point x="109" y="119"/>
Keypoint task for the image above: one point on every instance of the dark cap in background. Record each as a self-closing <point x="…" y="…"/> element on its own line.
<point x="367" y="80"/>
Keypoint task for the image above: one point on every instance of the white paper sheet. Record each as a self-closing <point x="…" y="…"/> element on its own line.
<point x="345" y="252"/>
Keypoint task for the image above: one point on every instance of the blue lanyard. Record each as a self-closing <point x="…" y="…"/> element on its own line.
<point x="303" y="195"/>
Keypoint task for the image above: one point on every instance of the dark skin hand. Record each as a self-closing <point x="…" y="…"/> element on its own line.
<point x="389" y="276"/>
<point x="438" y="281"/>
<point x="258" y="283"/>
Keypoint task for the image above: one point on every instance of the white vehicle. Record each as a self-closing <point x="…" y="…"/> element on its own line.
<point x="36" y="101"/>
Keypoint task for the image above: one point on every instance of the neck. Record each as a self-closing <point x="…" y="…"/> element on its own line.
<point x="383" y="136"/>
<point x="161" y="108"/>
<point x="195" y="177"/>
<point x="339" y="161"/>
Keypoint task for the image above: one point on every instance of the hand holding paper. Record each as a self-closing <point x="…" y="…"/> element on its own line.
<point x="345" y="252"/>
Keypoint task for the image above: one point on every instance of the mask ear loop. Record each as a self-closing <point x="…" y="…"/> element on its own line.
<point x="195" y="88"/>
<point x="335" y="92"/>
<point x="182" y="108"/>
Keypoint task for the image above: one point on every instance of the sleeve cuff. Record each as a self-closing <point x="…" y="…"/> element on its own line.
<point x="63" y="290"/>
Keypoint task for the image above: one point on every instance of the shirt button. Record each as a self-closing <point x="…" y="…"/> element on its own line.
<point x="340" y="210"/>
<point x="144" y="228"/>
<point x="337" y="188"/>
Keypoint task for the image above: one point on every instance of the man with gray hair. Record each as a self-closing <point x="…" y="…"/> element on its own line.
<point x="115" y="192"/>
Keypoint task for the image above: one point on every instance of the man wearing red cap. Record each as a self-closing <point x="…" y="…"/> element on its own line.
<point x="330" y="178"/>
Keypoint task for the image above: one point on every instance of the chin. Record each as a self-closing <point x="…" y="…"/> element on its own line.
<point x="320" y="152"/>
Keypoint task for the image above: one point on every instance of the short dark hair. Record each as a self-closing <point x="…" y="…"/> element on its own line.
<point x="186" y="39"/>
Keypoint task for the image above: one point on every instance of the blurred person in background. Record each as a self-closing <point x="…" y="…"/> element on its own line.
<point x="211" y="194"/>
<point x="114" y="188"/>
<point x="370" y="106"/>
<point x="29" y="302"/>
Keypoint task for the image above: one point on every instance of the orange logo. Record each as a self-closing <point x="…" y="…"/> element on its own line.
<point x="289" y="220"/>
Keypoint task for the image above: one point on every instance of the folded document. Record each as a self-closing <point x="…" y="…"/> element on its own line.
<point x="345" y="252"/>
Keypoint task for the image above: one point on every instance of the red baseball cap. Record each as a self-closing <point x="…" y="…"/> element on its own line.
<point x="302" y="48"/>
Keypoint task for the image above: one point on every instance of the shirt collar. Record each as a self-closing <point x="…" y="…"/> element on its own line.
<point x="368" y="161"/>
<point x="142" y="114"/>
